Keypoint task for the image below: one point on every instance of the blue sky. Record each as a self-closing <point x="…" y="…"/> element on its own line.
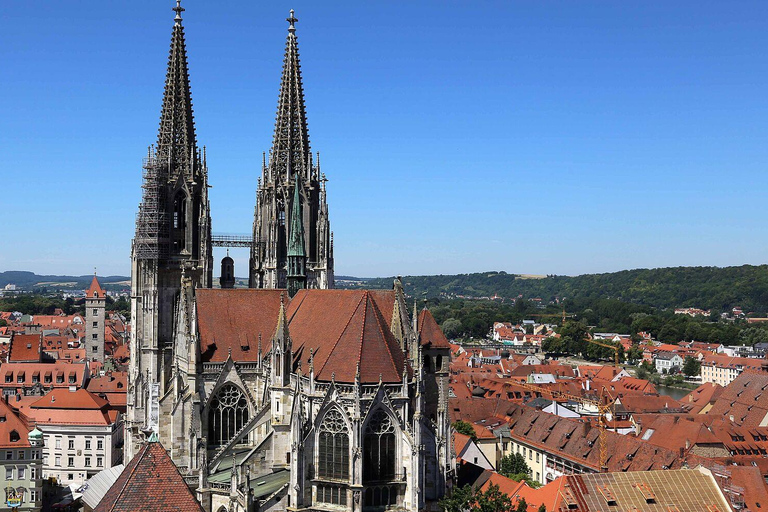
<point x="533" y="137"/>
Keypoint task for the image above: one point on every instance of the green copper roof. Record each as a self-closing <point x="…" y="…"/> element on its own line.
<point x="35" y="434"/>
<point x="296" y="236"/>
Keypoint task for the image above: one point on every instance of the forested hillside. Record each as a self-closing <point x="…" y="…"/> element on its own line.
<point x="717" y="288"/>
<point x="30" y="281"/>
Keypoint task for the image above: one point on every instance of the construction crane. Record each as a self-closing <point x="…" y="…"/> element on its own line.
<point x="602" y="410"/>
<point x="606" y="345"/>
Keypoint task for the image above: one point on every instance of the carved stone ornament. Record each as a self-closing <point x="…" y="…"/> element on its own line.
<point x="356" y="496"/>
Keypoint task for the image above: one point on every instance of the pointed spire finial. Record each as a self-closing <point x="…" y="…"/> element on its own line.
<point x="179" y="9"/>
<point x="291" y="19"/>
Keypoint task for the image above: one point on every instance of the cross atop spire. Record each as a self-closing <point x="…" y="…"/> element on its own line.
<point x="292" y="20"/>
<point x="179" y="9"/>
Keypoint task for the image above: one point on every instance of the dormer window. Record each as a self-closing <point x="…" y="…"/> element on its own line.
<point x="14" y="436"/>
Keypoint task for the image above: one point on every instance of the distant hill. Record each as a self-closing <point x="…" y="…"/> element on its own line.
<point x="30" y="281"/>
<point x="717" y="288"/>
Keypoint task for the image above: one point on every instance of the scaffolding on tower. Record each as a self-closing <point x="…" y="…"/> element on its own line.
<point x="152" y="230"/>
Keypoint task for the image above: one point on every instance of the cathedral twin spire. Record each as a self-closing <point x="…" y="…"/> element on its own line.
<point x="292" y="245"/>
<point x="291" y="204"/>
<point x="290" y="155"/>
<point x="176" y="141"/>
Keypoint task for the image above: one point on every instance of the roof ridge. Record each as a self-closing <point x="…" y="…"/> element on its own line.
<point x="142" y="453"/>
<point x="333" y="348"/>
<point x="377" y="312"/>
<point x="362" y="325"/>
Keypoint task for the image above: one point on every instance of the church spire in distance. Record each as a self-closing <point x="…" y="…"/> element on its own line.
<point x="290" y="154"/>
<point x="176" y="140"/>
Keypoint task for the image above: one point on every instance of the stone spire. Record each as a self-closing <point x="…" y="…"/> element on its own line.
<point x="176" y="140"/>
<point x="291" y="250"/>
<point x="290" y="154"/>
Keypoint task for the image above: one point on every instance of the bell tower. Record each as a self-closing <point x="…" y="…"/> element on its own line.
<point x="173" y="240"/>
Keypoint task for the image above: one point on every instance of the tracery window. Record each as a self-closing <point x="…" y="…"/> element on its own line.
<point x="379" y="448"/>
<point x="227" y="415"/>
<point x="333" y="447"/>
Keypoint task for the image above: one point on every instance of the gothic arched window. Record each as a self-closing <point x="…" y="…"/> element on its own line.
<point x="227" y="415"/>
<point x="379" y="448"/>
<point x="333" y="447"/>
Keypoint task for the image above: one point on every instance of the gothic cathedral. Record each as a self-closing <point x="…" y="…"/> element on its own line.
<point x="287" y="395"/>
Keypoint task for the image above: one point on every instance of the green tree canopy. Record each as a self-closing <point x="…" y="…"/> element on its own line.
<point x="452" y="327"/>
<point x="463" y="427"/>
<point x="513" y="464"/>
<point x="691" y="367"/>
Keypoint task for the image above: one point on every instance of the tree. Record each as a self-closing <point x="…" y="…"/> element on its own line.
<point x="650" y="368"/>
<point x="459" y="500"/>
<point x="465" y="499"/>
<point x="514" y="464"/>
<point x="635" y="353"/>
<point x="463" y="427"/>
<point x="492" y="500"/>
<point x="3" y="323"/>
<point x="752" y="335"/>
<point x="452" y="328"/>
<point x="522" y="506"/>
<point x="691" y="367"/>
<point x="542" y="508"/>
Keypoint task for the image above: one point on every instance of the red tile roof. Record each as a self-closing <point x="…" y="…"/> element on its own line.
<point x="26" y="348"/>
<point x="29" y="372"/>
<point x="339" y="327"/>
<point x="342" y="328"/>
<point x="64" y="407"/>
<point x="430" y="334"/>
<point x="12" y="421"/>
<point x="683" y="490"/>
<point x="746" y="399"/>
<point x="150" y="482"/>
<point x="80" y="399"/>
<point x="699" y="398"/>
<point x="112" y="387"/>
<point x="95" y="290"/>
<point x="578" y="441"/>
<point x="233" y="319"/>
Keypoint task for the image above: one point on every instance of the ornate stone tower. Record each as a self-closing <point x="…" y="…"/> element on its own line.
<point x="95" y="307"/>
<point x="291" y="172"/>
<point x="172" y="244"/>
